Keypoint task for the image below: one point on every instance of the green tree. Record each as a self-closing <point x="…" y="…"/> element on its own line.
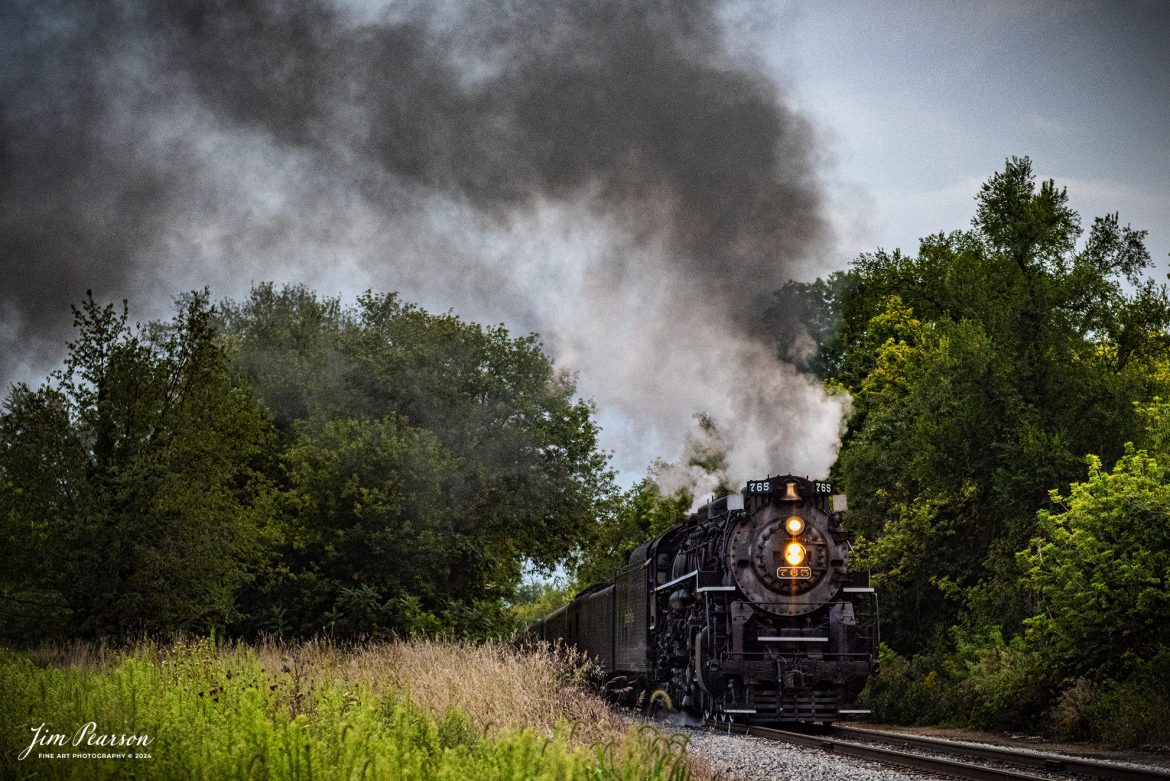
<point x="131" y="499"/>
<point x="1100" y="571"/>
<point x="534" y="600"/>
<point x="367" y="523"/>
<point x="287" y="342"/>
<point x="638" y="515"/>
<point x="981" y="370"/>
<point x="529" y="472"/>
<point x="42" y="479"/>
<point x="425" y="460"/>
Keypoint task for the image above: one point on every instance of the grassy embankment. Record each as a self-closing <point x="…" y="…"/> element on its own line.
<point x="417" y="710"/>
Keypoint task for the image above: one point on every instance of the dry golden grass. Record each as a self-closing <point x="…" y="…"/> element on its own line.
<point x="75" y="653"/>
<point x="496" y="685"/>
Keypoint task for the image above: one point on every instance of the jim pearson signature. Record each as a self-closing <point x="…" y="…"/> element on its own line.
<point x="87" y="734"/>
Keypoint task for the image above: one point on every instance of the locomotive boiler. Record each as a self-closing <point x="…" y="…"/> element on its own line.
<point x="746" y="610"/>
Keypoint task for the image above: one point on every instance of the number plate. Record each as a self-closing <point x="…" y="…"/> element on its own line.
<point x="794" y="573"/>
<point x="820" y="488"/>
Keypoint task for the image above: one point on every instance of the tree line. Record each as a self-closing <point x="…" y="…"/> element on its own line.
<point x="1006" y="464"/>
<point x="288" y="465"/>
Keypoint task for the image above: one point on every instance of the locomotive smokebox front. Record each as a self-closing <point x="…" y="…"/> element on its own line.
<point x="783" y="553"/>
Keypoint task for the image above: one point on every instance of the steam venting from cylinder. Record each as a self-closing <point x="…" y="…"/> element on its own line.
<point x="610" y="173"/>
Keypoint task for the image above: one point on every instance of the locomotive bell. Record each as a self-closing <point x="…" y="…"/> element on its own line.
<point x="790" y="493"/>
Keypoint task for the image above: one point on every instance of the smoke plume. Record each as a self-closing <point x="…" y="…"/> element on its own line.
<point x="609" y="173"/>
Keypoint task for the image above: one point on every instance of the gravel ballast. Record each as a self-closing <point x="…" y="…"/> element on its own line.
<point x="759" y="759"/>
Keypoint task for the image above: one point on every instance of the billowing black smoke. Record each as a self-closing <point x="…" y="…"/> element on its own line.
<point x="138" y="136"/>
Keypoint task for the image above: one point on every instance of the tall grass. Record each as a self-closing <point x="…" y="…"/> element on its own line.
<point x="420" y="710"/>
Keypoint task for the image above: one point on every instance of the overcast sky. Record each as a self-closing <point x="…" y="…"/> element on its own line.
<point x="614" y="175"/>
<point x="919" y="102"/>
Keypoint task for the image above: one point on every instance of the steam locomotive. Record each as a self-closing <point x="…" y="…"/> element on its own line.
<point x="746" y="611"/>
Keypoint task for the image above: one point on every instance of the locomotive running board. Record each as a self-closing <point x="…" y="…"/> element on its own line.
<point x="680" y="579"/>
<point x="793" y="639"/>
<point x="693" y="574"/>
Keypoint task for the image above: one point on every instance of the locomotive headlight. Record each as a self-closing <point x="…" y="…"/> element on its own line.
<point x="794" y="525"/>
<point x="794" y="554"/>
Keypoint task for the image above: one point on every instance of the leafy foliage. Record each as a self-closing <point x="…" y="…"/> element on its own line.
<point x="293" y="466"/>
<point x="642" y="513"/>
<point x="982" y="370"/>
<point x="535" y="600"/>
<point x="1101" y="571"/>
<point x="131" y="497"/>
<point x="1093" y="661"/>
<point x="423" y="460"/>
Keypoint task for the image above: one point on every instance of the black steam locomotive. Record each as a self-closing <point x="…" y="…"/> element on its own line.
<point x="746" y="610"/>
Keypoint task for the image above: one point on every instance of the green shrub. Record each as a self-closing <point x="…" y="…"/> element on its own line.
<point x="903" y="692"/>
<point x="1128" y="715"/>
<point x="1122" y="715"/>
<point x="1006" y="687"/>
<point x="968" y="679"/>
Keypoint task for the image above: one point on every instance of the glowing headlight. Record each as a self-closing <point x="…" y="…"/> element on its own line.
<point x="794" y="525"/>
<point x="794" y="554"/>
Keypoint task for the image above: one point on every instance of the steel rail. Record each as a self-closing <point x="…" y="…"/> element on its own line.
<point x="945" y="767"/>
<point x="1029" y="758"/>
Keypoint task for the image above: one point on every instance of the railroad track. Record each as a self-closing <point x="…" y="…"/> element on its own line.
<point x="958" y="760"/>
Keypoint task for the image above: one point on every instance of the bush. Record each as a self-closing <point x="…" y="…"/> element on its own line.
<point x="906" y="691"/>
<point x="1123" y="715"/>
<point x="1101" y="571"/>
<point x="966" y="679"/>
<point x="1007" y="687"/>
